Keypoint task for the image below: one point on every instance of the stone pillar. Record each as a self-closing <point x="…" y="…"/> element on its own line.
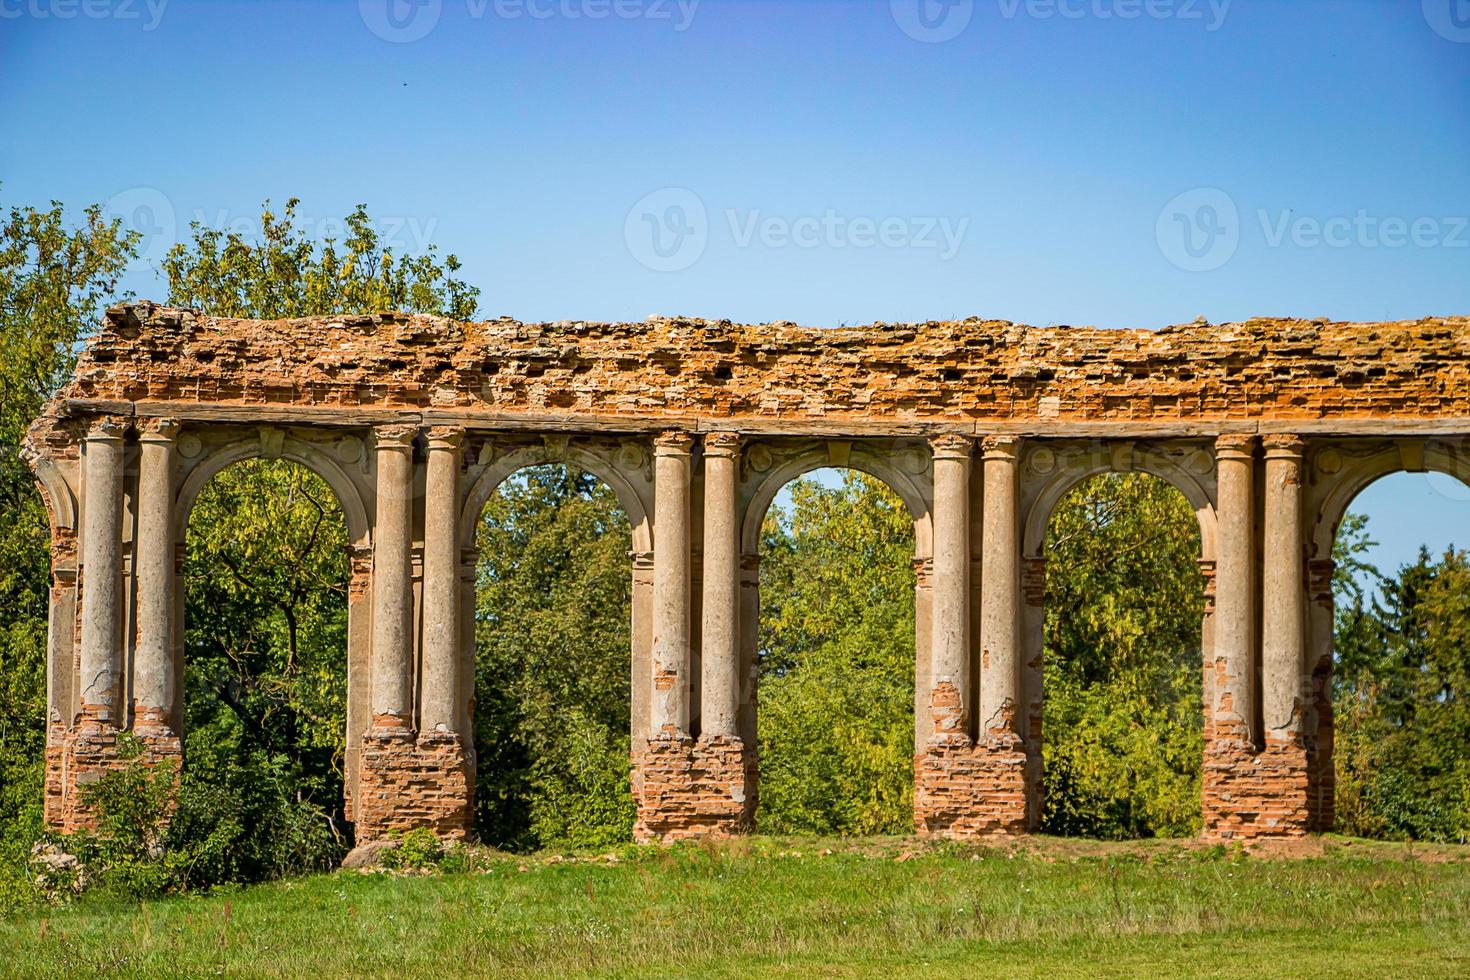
<point x="1033" y="645"/>
<point x="102" y="511"/>
<point x="153" y="569"/>
<point x="393" y="578"/>
<point x="1283" y="595"/>
<point x="669" y="710"/>
<point x="439" y="703"/>
<point x="965" y="787"/>
<point x="720" y="639"/>
<point x="1322" y="791"/>
<point x="1000" y="594"/>
<point x="393" y="786"/>
<point x="949" y="686"/>
<point x="1235" y="607"/>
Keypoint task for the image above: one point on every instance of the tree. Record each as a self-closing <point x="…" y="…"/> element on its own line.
<point x="1122" y="722"/>
<point x="55" y="279"/>
<point x="836" y="661"/>
<point x="552" y="672"/>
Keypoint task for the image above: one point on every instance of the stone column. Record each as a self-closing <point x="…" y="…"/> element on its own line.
<point x="440" y="701"/>
<point x="1000" y="593"/>
<point x="950" y="690"/>
<point x="720" y="632"/>
<point x="102" y="510"/>
<point x="1235" y="607"/>
<point x="669" y="709"/>
<point x="1284" y="701"/>
<point x="153" y="568"/>
<point x="393" y="578"/>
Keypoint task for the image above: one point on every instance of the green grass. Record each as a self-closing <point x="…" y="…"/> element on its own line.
<point x="791" y="907"/>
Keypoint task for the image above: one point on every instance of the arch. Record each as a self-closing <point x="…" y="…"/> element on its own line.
<point x="359" y="528"/>
<point x="1062" y="483"/>
<point x="501" y="469"/>
<point x="1367" y="470"/>
<point x="908" y="489"/>
<point x="61" y="503"/>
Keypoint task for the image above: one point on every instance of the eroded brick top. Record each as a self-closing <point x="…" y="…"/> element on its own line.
<point x="674" y="369"/>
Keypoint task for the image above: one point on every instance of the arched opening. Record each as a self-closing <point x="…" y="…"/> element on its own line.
<point x="835" y="658"/>
<point x="1400" y="693"/>
<point x="552" y="708"/>
<point x="266" y="575"/>
<point x="1122" y="705"/>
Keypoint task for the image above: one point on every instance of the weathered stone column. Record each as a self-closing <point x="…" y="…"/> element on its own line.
<point x="153" y="568"/>
<point x="391" y="779"/>
<point x="439" y="703"/>
<point x="102" y="509"/>
<point x="1000" y="593"/>
<point x="965" y="787"/>
<point x="1235" y="606"/>
<point x="720" y="633"/>
<point x="950" y="690"/>
<point x="669" y="711"/>
<point x="392" y="578"/>
<point x="1284" y="597"/>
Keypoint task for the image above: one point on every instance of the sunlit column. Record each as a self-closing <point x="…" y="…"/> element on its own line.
<point x="153" y="568"/>
<point x="1000" y="591"/>
<point x="950" y="629"/>
<point x="393" y="577"/>
<point x="720" y="633"/>
<point x="1284" y="698"/>
<point x="102" y="506"/>
<point x="440" y="701"/>
<point x="669" y="707"/>
<point x="1234" y="588"/>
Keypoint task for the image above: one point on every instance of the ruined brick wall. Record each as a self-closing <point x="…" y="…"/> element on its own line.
<point x="683" y="370"/>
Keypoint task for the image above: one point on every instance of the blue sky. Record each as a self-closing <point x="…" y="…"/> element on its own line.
<point x="1108" y="162"/>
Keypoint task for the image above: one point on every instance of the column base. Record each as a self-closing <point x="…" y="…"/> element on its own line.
<point x="687" y="789"/>
<point x="407" y="781"/>
<point x="1250" y="795"/>
<point x="79" y="757"/>
<point x="967" y="790"/>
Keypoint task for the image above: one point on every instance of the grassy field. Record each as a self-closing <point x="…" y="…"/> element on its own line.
<point x="804" y="907"/>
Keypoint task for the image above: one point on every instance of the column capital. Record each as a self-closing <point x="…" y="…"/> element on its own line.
<point x="1235" y="446"/>
<point x="160" y="430"/>
<point x="1284" y="446"/>
<point x="725" y="445"/>
<point x="107" y="428"/>
<point x="673" y="443"/>
<point x="394" y="437"/>
<point x="951" y="445"/>
<point x="445" y="437"/>
<point x="1001" y="447"/>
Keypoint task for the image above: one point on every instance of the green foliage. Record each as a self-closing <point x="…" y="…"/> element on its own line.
<point x="836" y="661"/>
<point x="54" y="280"/>
<point x="552" y="672"/>
<point x="417" y="850"/>
<point x="1402" y="693"/>
<point x="284" y="272"/>
<point x="1123" y="715"/>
